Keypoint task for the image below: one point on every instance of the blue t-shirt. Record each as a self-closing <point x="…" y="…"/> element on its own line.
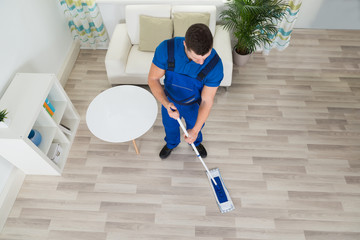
<point x="184" y="65"/>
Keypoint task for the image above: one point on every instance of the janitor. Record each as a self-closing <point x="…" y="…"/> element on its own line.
<point x="193" y="72"/>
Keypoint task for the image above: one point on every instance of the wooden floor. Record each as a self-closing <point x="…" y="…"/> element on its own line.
<point x="285" y="136"/>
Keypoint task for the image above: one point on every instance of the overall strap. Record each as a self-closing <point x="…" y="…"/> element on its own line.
<point x="205" y="71"/>
<point x="170" y="50"/>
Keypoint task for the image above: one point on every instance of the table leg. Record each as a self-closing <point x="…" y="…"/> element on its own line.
<point x="136" y="148"/>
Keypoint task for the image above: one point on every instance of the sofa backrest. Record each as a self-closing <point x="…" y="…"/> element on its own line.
<point x="132" y="16"/>
<point x="133" y="12"/>
<point x="200" y="9"/>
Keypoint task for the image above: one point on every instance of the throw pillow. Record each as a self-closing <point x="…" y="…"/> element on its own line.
<point x="154" y="30"/>
<point x="183" y="20"/>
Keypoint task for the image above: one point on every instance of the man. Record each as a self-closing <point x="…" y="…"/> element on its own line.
<point x="193" y="72"/>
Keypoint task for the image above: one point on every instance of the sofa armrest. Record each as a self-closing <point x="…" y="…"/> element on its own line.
<point x="118" y="52"/>
<point x="222" y="45"/>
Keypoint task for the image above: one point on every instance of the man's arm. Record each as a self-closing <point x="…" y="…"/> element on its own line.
<point x="157" y="90"/>
<point x="207" y="100"/>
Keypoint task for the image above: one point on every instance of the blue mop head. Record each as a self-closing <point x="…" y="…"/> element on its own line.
<point x="220" y="192"/>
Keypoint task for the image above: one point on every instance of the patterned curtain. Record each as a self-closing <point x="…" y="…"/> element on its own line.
<point x="85" y="23"/>
<point x="281" y="40"/>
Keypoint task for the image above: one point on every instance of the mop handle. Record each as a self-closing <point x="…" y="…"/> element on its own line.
<point x="196" y="151"/>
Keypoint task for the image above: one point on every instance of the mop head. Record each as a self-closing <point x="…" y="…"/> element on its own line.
<point x="220" y="192"/>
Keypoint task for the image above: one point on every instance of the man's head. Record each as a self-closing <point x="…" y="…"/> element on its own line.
<point x="198" y="42"/>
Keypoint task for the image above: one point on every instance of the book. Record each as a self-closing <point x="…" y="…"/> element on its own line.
<point x="49" y="104"/>
<point x="65" y="129"/>
<point x="65" y="126"/>
<point x="50" y="113"/>
<point x="48" y="109"/>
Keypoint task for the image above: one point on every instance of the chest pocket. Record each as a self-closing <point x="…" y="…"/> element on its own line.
<point x="183" y="89"/>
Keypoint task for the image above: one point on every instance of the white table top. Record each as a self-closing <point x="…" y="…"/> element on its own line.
<point x="121" y="113"/>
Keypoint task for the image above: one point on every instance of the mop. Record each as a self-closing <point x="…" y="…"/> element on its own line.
<point x="220" y="191"/>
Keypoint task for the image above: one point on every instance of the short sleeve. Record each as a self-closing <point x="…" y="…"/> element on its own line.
<point x="214" y="78"/>
<point x="160" y="56"/>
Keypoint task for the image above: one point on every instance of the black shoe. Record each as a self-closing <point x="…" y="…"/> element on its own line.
<point x="201" y="149"/>
<point x="165" y="152"/>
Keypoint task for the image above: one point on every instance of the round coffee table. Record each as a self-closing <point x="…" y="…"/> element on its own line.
<point x="122" y="113"/>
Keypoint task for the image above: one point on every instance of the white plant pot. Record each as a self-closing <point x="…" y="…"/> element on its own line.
<point x="5" y="123"/>
<point x="240" y="60"/>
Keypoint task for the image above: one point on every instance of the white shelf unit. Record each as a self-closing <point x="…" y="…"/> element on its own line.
<point x="24" y="99"/>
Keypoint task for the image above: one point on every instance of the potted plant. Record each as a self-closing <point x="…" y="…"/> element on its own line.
<point x="3" y="114"/>
<point x="253" y="23"/>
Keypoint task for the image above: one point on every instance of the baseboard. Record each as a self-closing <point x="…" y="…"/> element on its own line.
<point x="9" y="194"/>
<point x="69" y="62"/>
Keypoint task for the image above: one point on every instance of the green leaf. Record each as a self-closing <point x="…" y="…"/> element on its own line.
<point x="3" y="114"/>
<point x="252" y="21"/>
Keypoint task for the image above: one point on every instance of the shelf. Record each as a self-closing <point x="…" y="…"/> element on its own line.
<point x="24" y="101"/>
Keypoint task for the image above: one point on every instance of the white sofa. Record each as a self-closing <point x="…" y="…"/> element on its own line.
<point x="126" y="64"/>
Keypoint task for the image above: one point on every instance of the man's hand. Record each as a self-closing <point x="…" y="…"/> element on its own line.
<point x="172" y="111"/>
<point x="193" y="134"/>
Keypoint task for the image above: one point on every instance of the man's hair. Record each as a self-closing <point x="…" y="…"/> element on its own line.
<point x="199" y="39"/>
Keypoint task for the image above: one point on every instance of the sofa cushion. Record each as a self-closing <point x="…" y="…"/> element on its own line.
<point x="132" y="17"/>
<point x="211" y="9"/>
<point x="183" y="20"/>
<point x="153" y="31"/>
<point x="139" y="62"/>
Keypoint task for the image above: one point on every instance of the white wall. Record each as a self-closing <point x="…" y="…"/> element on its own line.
<point x="34" y="37"/>
<point x="323" y="14"/>
<point x="329" y="14"/>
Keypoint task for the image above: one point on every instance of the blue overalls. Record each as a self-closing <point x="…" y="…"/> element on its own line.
<point x="185" y="93"/>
